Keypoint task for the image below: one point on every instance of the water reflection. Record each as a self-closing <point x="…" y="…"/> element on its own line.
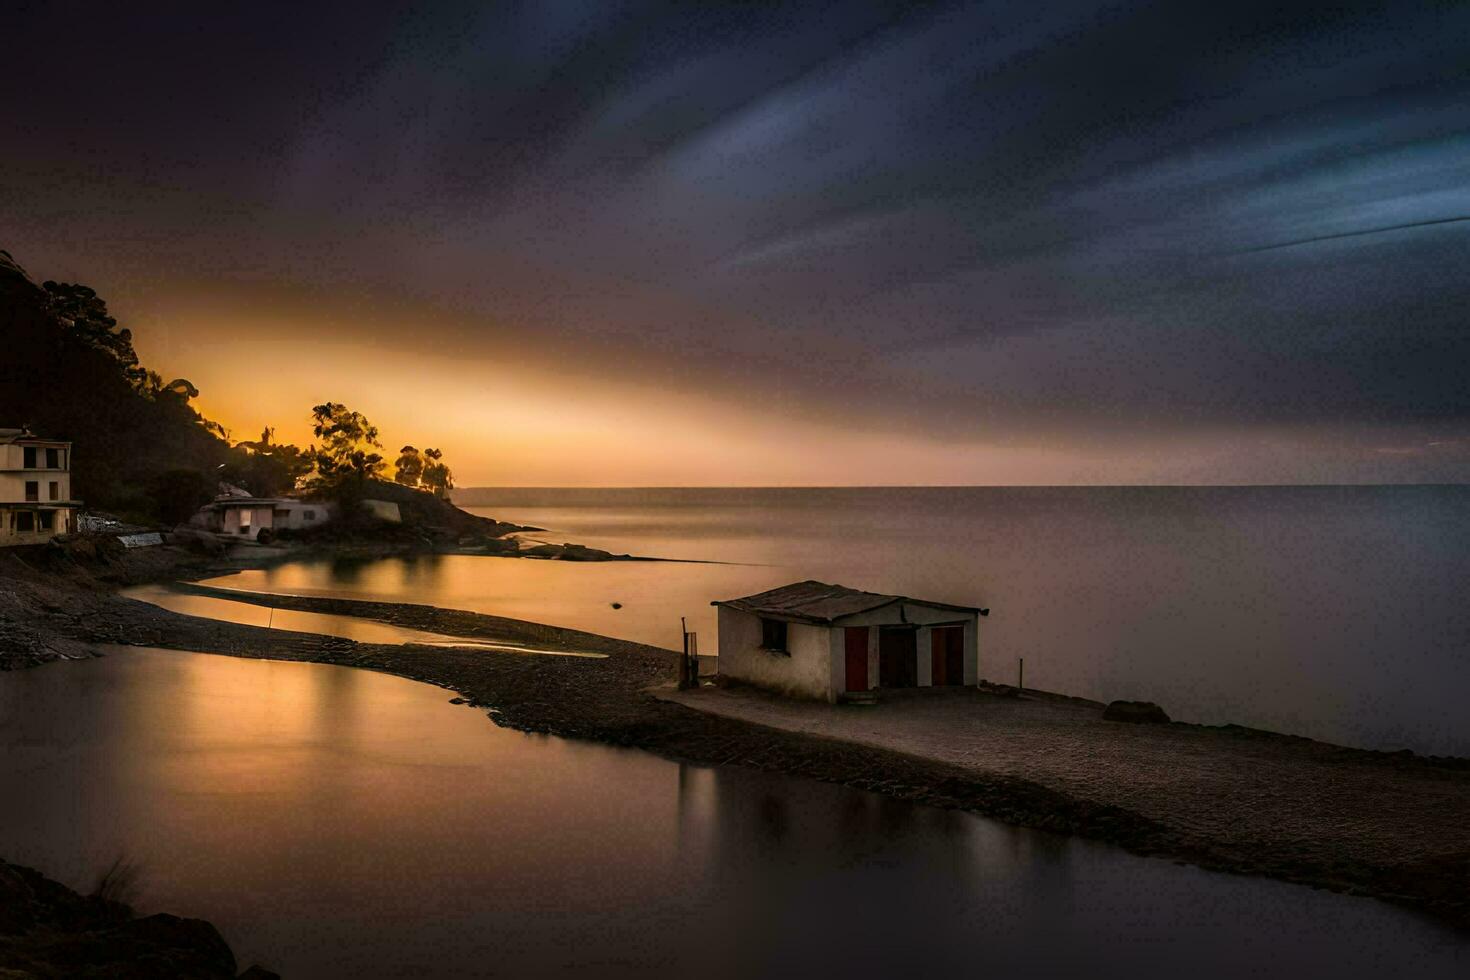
<point x="346" y="823"/>
<point x="350" y="627"/>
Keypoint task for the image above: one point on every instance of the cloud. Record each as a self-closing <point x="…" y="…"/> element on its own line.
<point x="1067" y="222"/>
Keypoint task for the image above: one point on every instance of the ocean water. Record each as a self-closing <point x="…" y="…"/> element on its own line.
<point x="1339" y="613"/>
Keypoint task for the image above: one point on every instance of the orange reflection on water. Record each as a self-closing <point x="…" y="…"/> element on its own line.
<point x="349" y="627"/>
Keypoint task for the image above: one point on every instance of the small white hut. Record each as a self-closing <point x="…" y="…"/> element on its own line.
<point x="239" y="515"/>
<point x="815" y="640"/>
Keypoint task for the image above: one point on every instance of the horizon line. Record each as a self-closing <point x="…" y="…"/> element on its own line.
<point x="951" y="486"/>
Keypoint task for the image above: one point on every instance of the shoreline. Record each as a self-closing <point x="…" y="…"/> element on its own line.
<point x="625" y="700"/>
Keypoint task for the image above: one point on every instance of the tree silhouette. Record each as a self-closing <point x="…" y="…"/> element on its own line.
<point x="437" y="475"/>
<point x="267" y="468"/>
<point x="84" y="315"/>
<point x="409" y="467"/>
<point x="347" y="440"/>
<point x="70" y="372"/>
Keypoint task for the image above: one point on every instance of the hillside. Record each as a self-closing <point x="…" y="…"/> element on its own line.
<point x="68" y="372"/>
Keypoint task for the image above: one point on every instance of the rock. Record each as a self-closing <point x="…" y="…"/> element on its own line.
<point x="501" y="546"/>
<point x="258" y="972"/>
<point x="16" y="896"/>
<point x="617" y="605"/>
<point x="46" y="929"/>
<point x="191" y="942"/>
<point x="1144" y="712"/>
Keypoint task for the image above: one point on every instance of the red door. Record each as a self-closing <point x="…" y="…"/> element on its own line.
<point x="856" y="638"/>
<point x="947" y="656"/>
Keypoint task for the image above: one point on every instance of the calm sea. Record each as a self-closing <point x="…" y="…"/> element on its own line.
<point x="1337" y="612"/>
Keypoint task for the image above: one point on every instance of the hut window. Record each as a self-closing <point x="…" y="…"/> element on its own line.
<point x="773" y="635"/>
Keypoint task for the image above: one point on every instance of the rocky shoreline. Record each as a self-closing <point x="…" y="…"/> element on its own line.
<point x="48" y="930"/>
<point x="615" y="700"/>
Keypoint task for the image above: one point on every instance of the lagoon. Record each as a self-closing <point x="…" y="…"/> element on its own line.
<point x="336" y="822"/>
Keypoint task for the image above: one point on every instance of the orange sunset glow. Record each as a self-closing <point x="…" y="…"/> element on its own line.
<point x="624" y="489"/>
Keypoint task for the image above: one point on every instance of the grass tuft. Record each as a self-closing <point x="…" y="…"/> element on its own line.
<point x="119" y="883"/>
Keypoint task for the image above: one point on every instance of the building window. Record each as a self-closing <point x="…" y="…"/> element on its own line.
<point x="53" y="459"/>
<point x="44" y="520"/>
<point x="773" y="635"/>
<point x="25" y="521"/>
<point x="33" y="489"/>
<point x="308" y="515"/>
<point x="29" y="452"/>
<point x="245" y="518"/>
<point x="55" y="489"/>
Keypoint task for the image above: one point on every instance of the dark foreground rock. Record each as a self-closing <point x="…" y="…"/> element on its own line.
<point x="48" y="930"/>
<point x="1138" y="712"/>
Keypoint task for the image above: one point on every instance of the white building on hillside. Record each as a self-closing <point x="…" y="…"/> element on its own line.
<point x="811" y="639"/>
<point x="35" y="488"/>
<point x="243" y="517"/>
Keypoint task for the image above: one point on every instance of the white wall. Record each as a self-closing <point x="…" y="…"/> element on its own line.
<point x="275" y="515"/>
<point x="13" y="475"/>
<point x="13" y="485"/>
<point x="804" y="671"/>
<point x="13" y="479"/>
<point x="261" y="516"/>
<point x="817" y="665"/>
<point x="297" y="514"/>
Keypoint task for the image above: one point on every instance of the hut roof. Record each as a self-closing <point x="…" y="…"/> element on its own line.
<point x="820" y="602"/>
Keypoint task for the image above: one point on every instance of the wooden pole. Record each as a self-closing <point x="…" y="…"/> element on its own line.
<point x="1021" y="675"/>
<point x="684" y="657"/>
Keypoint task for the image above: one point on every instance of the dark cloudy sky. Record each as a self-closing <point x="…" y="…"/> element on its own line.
<point x="582" y="243"/>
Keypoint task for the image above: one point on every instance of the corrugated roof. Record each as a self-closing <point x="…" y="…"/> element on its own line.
<point x="820" y="602"/>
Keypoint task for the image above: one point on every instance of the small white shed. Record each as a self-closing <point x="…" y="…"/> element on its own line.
<point x="246" y="517"/>
<point x="811" y="639"/>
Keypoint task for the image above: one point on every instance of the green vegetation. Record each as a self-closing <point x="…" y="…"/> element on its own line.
<point x="140" y="448"/>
